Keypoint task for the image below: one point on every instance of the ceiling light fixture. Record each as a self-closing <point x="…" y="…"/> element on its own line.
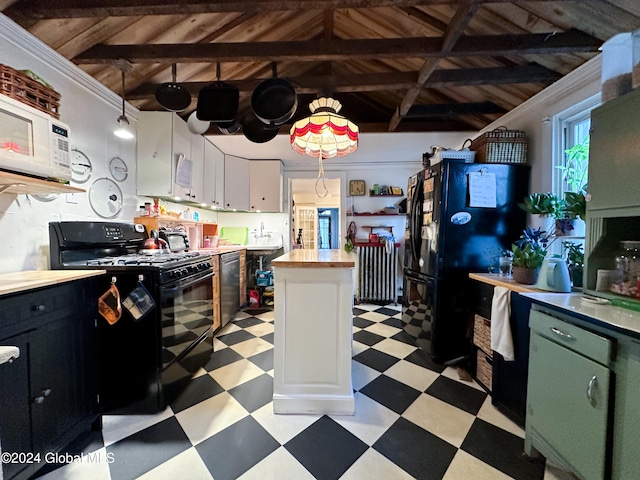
<point x="324" y="134"/>
<point x="124" y="129"/>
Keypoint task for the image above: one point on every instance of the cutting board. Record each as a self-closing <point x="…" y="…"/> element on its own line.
<point x="235" y="235"/>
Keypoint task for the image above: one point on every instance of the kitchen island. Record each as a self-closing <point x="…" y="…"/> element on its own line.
<point x="313" y="332"/>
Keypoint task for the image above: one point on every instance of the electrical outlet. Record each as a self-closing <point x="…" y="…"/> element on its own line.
<point x="72" y="198"/>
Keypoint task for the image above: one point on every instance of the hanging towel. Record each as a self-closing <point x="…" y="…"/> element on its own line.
<point x="501" y="339"/>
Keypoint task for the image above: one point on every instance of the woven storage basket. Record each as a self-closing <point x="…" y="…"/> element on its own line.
<point x="482" y="333"/>
<point x="500" y="146"/>
<point x="25" y="89"/>
<point x="484" y="369"/>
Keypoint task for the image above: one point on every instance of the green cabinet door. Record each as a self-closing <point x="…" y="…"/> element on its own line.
<point x="614" y="154"/>
<point x="568" y="405"/>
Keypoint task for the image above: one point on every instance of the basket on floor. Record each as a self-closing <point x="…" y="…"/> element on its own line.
<point x="500" y="146"/>
<point x="21" y="87"/>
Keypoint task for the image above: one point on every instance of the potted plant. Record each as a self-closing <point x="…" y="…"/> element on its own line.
<point x="543" y="208"/>
<point x="574" y="177"/>
<point x="574" y="255"/>
<point x="529" y="251"/>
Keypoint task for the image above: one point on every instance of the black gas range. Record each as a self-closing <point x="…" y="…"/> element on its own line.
<point x="146" y="362"/>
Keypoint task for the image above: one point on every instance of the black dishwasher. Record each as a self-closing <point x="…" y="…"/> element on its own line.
<point x="229" y="286"/>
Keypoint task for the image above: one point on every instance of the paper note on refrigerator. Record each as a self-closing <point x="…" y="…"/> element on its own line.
<point x="482" y="189"/>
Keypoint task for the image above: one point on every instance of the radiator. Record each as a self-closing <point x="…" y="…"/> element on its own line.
<point x="377" y="273"/>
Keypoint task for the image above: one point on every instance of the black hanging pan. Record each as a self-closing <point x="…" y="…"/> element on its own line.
<point x="274" y="101"/>
<point x="173" y="96"/>
<point x="257" y="131"/>
<point x="218" y="102"/>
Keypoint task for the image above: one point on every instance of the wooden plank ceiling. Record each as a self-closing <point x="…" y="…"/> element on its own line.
<point x="403" y="65"/>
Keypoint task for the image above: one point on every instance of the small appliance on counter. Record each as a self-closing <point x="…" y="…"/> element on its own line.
<point x="554" y="276"/>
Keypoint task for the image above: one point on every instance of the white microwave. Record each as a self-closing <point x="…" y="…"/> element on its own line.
<point x="32" y="142"/>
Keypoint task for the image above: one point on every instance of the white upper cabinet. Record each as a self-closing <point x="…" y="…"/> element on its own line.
<point x="236" y="183"/>
<point x="265" y="182"/>
<point x="197" y="158"/>
<point x="213" y="175"/>
<point x="165" y="166"/>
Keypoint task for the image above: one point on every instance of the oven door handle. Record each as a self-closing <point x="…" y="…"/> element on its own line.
<point x="185" y="282"/>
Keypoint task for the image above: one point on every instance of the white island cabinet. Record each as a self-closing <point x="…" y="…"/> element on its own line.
<point x="313" y="332"/>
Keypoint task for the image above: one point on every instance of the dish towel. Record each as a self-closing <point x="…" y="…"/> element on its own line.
<point x="501" y="339"/>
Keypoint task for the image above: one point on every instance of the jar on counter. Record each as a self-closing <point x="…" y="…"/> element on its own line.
<point x="207" y="242"/>
<point x="628" y="269"/>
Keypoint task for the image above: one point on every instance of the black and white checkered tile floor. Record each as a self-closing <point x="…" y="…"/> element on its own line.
<point x="414" y="419"/>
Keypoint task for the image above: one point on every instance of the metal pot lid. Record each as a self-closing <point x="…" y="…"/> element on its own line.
<point x="105" y="198"/>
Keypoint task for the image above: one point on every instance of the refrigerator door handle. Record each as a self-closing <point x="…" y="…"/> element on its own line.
<point x="414" y="223"/>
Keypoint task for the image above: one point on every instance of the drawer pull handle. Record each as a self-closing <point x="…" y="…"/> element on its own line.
<point x="593" y="383"/>
<point x="560" y="333"/>
<point x="39" y="308"/>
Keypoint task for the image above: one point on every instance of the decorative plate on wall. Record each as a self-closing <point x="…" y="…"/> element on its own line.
<point x="118" y="169"/>
<point x="105" y="198"/>
<point x="81" y="166"/>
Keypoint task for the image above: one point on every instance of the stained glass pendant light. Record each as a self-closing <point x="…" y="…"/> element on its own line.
<point x="324" y="134"/>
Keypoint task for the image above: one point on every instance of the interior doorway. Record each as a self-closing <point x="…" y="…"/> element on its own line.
<point x="306" y="208"/>
<point x="328" y="228"/>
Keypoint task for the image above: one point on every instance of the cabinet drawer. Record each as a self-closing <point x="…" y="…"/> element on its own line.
<point x="484" y="297"/>
<point x="582" y="341"/>
<point x="482" y="333"/>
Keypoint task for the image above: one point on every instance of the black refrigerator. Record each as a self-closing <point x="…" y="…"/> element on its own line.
<point x="460" y="217"/>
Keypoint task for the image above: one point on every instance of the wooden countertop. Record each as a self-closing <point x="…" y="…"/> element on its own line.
<point x="219" y="250"/>
<point x="30" y="279"/>
<point x="508" y="282"/>
<point x="300" y="258"/>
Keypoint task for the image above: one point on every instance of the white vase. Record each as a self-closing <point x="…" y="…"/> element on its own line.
<point x="543" y="222"/>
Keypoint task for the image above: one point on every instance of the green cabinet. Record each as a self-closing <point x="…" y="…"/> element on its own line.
<point x="614" y="157"/>
<point x="568" y="405"/>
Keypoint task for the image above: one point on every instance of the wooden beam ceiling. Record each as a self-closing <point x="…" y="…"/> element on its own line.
<point x="46" y="9"/>
<point x="551" y="43"/>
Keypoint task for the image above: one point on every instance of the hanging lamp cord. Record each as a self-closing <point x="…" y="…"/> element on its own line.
<point x="321" y="176"/>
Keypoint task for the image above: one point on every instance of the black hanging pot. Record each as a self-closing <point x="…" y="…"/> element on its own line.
<point x="229" y="128"/>
<point x="257" y="131"/>
<point x="218" y="102"/>
<point x="173" y="96"/>
<point x="274" y="101"/>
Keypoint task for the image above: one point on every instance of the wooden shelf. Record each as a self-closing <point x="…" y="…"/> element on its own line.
<point x="374" y="214"/>
<point x="387" y="195"/>
<point x="23" y="184"/>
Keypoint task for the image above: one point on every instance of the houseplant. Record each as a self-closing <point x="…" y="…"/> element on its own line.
<point x="529" y="252"/>
<point x="543" y="207"/>
<point x="574" y="177"/>
<point x="574" y="255"/>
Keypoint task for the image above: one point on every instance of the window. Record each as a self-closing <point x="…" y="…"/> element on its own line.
<point x="572" y="157"/>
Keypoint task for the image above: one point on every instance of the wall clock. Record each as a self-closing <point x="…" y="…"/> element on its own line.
<point x="356" y="187"/>
<point x="118" y="169"/>
<point x="81" y="166"/>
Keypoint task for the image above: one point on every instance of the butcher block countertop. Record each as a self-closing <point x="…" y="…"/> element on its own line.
<point x="30" y="279"/>
<point x="501" y="281"/>
<point x="300" y="258"/>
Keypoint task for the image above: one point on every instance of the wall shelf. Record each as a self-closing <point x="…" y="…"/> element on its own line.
<point x="386" y="195"/>
<point x="23" y="184"/>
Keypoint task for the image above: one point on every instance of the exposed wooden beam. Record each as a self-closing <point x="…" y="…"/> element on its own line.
<point x="446" y="110"/>
<point x="454" y="31"/>
<point x="45" y="9"/>
<point x="572" y="41"/>
<point x="370" y="82"/>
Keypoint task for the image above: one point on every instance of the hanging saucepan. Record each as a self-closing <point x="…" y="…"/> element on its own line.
<point x="218" y="102"/>
<point x="229" y="128"/>
<point x="257" y="131"/>
<point x="173" y="96"/>
<point x="274" y="101"/>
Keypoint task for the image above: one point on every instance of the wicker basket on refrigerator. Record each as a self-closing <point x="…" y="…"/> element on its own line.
<point x="500" y="146"/>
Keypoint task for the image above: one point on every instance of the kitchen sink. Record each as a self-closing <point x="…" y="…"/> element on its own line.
<point x="267" y="242"/>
